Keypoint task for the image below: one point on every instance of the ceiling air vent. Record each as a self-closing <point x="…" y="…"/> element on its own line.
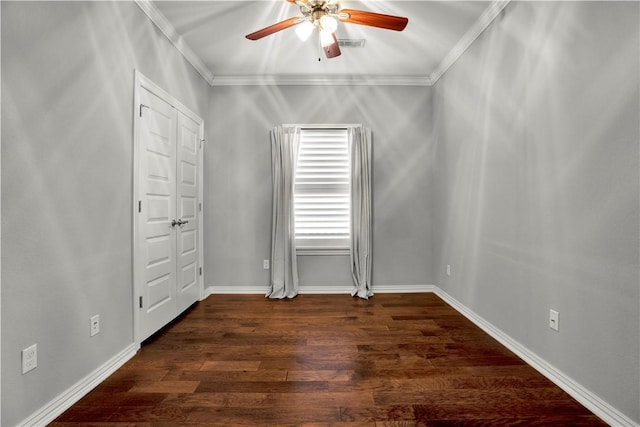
<point x="351" y="42"/>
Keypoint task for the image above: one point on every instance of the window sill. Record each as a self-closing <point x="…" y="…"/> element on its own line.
<point x="305" y="250"/>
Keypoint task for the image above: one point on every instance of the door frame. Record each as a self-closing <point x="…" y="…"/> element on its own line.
<point x="142" y="82"/>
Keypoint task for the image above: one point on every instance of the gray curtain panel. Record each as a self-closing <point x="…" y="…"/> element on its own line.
<point x="361" y="236"/>
<point x="284" y="267"/>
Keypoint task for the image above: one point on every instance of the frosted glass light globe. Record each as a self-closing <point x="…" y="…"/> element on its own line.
<point x="304" y="30"/>
<point x="329" y="23"/>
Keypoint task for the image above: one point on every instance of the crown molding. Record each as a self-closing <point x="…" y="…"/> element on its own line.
<point x="487" y="17"/>
<point x="326" y="80"/>
<point x="175" y="38"/>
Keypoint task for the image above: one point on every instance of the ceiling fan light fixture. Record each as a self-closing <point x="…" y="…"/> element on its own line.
<point x="329" y="23"/>
<point x="323" y="15"/>
<point x="304" y="30"/>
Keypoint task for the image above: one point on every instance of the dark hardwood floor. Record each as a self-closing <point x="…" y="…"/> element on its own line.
<point x="320" y="360"/>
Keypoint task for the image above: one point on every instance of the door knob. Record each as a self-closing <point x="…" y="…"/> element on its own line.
<point x="178" y="222"/>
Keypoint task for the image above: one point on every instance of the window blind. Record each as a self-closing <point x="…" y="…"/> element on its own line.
<point x="321" y="193"/>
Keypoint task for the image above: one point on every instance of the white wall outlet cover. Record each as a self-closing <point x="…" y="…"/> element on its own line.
<point x="95" y="325"/>
<point x="554" y="319"/>
<point x="29" y="358"/>
<point x="265" y="264"/>
<point x="448" y="269"/>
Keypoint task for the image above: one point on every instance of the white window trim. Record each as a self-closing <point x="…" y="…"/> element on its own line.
<point x="305" y="251"/>
<point x="338" y="249"/>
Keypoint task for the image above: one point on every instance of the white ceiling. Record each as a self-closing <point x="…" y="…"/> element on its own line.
<point x="211" y="35"/>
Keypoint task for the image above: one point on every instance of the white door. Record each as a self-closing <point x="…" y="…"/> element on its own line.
<point x="157" y="210"/>
<point x="167" y="246"/>
<point x="188" y="290"/>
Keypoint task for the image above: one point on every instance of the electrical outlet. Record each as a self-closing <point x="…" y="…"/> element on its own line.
<point x="265" y="264"/>
<point x="95" y="325"/>
<point x="29" y="358"/>
<point x="448" y="269"/>
<point x="554" y="320"/>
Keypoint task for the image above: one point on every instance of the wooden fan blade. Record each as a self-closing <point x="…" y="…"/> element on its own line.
<point x="388" y="22"/>
<point x="332" y="50"/>
<point x="274" y="28"/>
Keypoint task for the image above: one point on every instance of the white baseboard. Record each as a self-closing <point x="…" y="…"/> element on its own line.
<point x="236" y="289"/>
<point x="205" y="293"/>
<point x="262" y="290"/>
<point x="316" y="289"/>
<point x="402" y="289"/>
<point x="326" y="289"/>
<point x="587" y="398"/>
<point x="57" y="406"/>
<point x="377" y="289"/>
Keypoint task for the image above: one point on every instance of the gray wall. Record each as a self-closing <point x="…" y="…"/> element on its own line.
<point x="67" y="159"/>
<point x="537" y="201"/>
<point x="530" y="190"/>
<point x="238" y="192"/>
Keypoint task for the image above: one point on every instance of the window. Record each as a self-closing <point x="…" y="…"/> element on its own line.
<point x="321" y="193"/>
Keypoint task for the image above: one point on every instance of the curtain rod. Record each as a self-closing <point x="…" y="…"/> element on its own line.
<point x="325" y="126"/>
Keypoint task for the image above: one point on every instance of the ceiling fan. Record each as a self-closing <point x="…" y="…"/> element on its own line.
<point x="324" y="15"/>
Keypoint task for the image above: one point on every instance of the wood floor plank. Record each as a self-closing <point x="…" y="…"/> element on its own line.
<point x="165" y="387"/>
<point x="230" y="365"/>
<point x="263" y="415"/>
<point x="320" y="375"/>
<point x="212" y="376"/>
<point x="325" y="360"/>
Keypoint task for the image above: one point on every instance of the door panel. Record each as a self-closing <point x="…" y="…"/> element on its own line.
<point x="189" y="277"/>
<point x="159" y="293"/>
<point x="157" y="174"/>
<point x="188" y="242"/>
<point x="187" y="236"/>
